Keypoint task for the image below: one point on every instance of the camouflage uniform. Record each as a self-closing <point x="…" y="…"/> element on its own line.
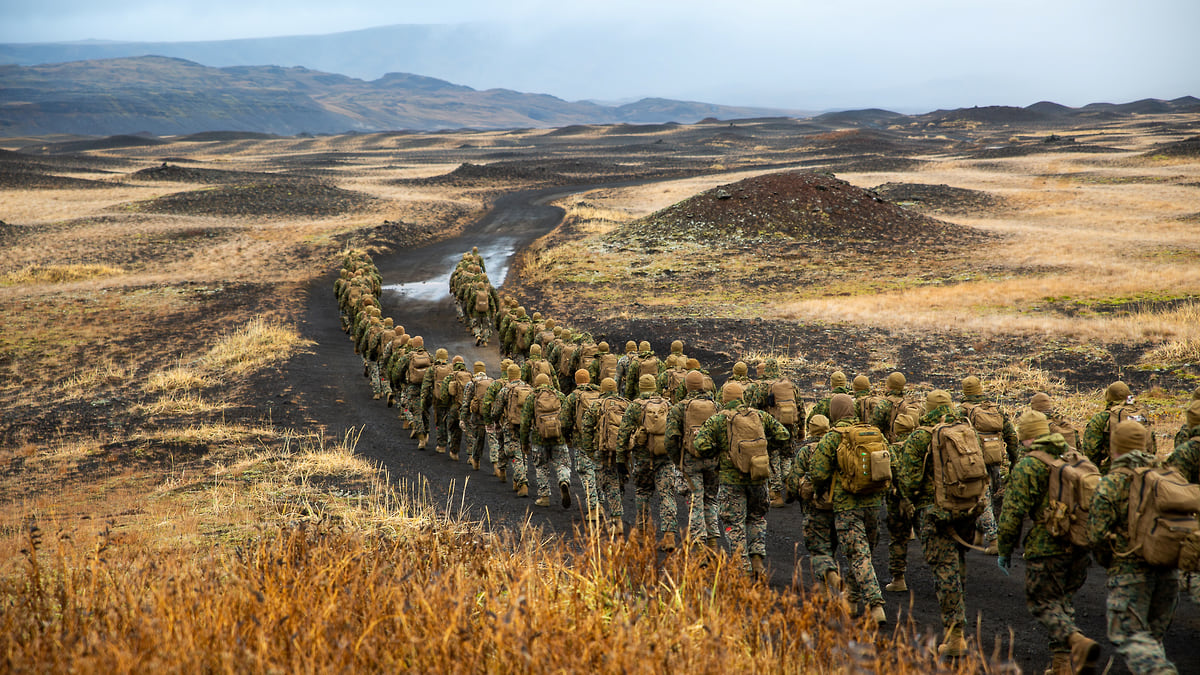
<point x="410" y="396"/>
<point x="1055" y="570"/>
<point x="607" y="476"/>
<point x="1141" y="598"/>
<point x="820" y="532"/>
<point x="856" y="517"/>
<point x="900" y="521"/>
<point x="549" y="455"/>
<point x="1186" y="458"/>
<point x="781" y="462"/>
<point x="700" y="474"/>
<point x="511" y="450"/>
<point x="632" y="376"/>
<point x="944" y="555"/>
<point x="743" y="502"/>
<point x="476" y="422"/>
<point x="451" y="419"/>
<point x="585" y="465"/>
<point x="623" y="366"/>
<point x="652" y="474"/>
<point x="431" y="400"/>
<point x="997" y="473"/>
<point x="822" y="407"/>
<point x="493" y="427"/>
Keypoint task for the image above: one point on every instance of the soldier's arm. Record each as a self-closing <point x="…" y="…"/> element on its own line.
<point x="1018" y="503"/>
<point x="628" y="423"/>
<point x="1010" y="441"/>
<point x="526" y="420"/>
<point x="1095" y="438"/>
<point x="824" y="460"/>
<point x="710" y="437"/>
<point x="912" y="464"/>
<point x="1186" y="458"/>
<point x="1102" y="516"/>
<point x="566" y="416"/>
<point x="674" y="434"/>
<point x="879" y="418"/>
<point x="777" y="435"/>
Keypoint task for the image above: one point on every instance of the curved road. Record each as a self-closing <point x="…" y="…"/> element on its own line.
<point x="331" y="388"/>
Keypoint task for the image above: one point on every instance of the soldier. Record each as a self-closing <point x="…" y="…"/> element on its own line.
<point x="893" y="404"/>
<point x="899" y="512"/>
<point x="482" y="305"/>
<point x="737" y="374"/>
<point x="1185" y="431"/>
<point x="506" y="409"/>
<point x="677" y="352"/>
<point x="471" y="417"/>
<point x="941" y="531"/>
<point x="1054" y="568"/>
<point x="837" y="385"/>
<point x="601" y="428"/>
<point x="993" y="426"/>
<point x="643" y="431"/>
<point x="1141" y="597"/>
<point x="413" y="367"/>
<point x="742" y="495"/>
<point x="864" y="400"/>
<point x="545" y="425"/>
<point x="535" y="365"/>
<point x="514" y="332"/>
<point x="581" y="398"/>
<point x="623" y="366"/>
<point x="453" y="388"/>
<point x="1117" y="399"/>
<point x="671" y="382"/>
<point x="685" y="419"/>
<point x="603" y="364"/>
<point x="493" y="428"/>
<point x="645" y="363"/>
<point x="431" y="397"/>
<point x="779" y="396"/>
<point x="820" y="533"/>
<point x="1044" y="404"/>
<point x="1186" y="459"/>
<point x="856" y="516"/>
<point x="393" y="373"/>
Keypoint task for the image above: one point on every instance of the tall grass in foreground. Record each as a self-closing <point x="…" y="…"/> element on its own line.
<point x="439" y="598"/>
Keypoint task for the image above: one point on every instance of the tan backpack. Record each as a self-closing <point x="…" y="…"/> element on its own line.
<point x="608" y="366"/>
<point x="566" y="357"/>
<point x="864" y="461"/>
<point x="440" y="372"/>
<point x="960" y="476"/>
<point x="547" y="408"/>
<point x="1073" y="480"/>
<point x="696" y="412"/>
<point x="482" y="383"/>
<point x="584" y="400"/>
<point x="781" y="402"/>
<point x="541" y="367"/>
<point x="653" y="431"/>
<point x="608" y="426"/>
<point x="902" y="406"/>
<point x="458" y="385"/>
<point x="523" y="330"/>
<point x="865" y="405"/>
<point x="747" y="443"/>
<point x="514" y="402"/>
<point x="482" y="301"/>
<point x="1135" y="412"/>
<point x="1162" y="518"/>
<point x="648" y="366"/>
<point x="989" y="422"/>
<point x="1069" y="433"/>
<point x="418" y="363"/>
<point x="675" y="378"/>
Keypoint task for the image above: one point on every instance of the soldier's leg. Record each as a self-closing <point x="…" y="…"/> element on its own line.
<point x="986" y="524"/>
<point x="775" y="479"/>
<point x="942" y="555"/>
<point x="454" y="433"/>
<point x="608" y="488"/>
<point x="586" y="467"/>
<point x="441" y="417"/>
<point x="560" y="462"/>
<point x="515" y="457"/>
<point x="899" y="528"/>
<point x="697" y="531"/>
<point x="668" y="504"/>
<point x="642" y="474"/>
<point x="541" y="468"/>
<point x="1130" y="602"/>
<point x="712" y="512"/>
<point x="852" y="529"/>
<point x="1050" y="586"/>
<point x="732" y="499"/>
<point x="373" y="376"/>
<point x="758" y="500"/>
<point x="492" y="436"/>
<point x="818" y="540"/>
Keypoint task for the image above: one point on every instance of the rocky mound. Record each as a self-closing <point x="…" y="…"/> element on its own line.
<point x="106" y="143"/>
<point x="939" y="197"/>
<point x="1188" y="147"/>
<point x="800" y="206"/>
<point x="178" y="174"/>
<point x="282" y="197"/>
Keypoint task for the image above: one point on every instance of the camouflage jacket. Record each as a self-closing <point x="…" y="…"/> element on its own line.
<point x="712" y="440"/>
<point x="675" y="420"/>
<point x="631" y="374"/>
<point x="1186" y="456"/>
<point x="429" y="385"/>
<point x="529" y="434"/>
<point x="914" y="479"/>
<point x="444" y="388"/>
<point x="822" y="407"/>
<point x="464" y="411"/>
<point x="573" y="403"/>
<point x="492" y="401"/>
<point x="883" y="412"/>
<point x="623" y="369"/>
<point x="759" y="394"/>
<point x="402" y="365"/>
<point x="588" y="437"/>
<point x="1108" y="520"/>
<point x="632" y="422"/>
<point x="824" y="473"/>
<point x="1028" y="496"/>
<point x="1095" y="439"/>
<point x="800" y="467"/>
<point x="527" y="371"/>
<point x="664" y="383"/>
<point x="1009" y="433"/>
<point x="1185" y="432"/>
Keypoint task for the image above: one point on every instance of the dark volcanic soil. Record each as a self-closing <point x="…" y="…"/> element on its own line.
<point x="939" y="197"/>
<point x="268" y="197"/>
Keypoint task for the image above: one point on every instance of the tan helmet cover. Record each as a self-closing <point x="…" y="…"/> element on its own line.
<point x="841" y="406"/>
<point x="647" y="383"/>
<point x="740" y="369"/>
<point x="480" y="367"/>
<point x="514" y="372"/>
<point x="1129" y="435"/>
<point x="936" y="399"/>
<point x="732" y="391"/>
<point x="817" y="426"/>
<point x="1041" y="402"/>
<point x="608" y="385"/>
<point x="1117" y="391"/>
<point x="441" y="355"/>
<point x="694" y="380"/>
<point x="1032" y="424"/>
<point x="542" y="380"/>
<point x="862" y="383"/>
<point x="837" y="379"/>
<point x="971" y="386"/>
<point x="677" y="347"/>
<point x="582" y="377"/>
<point x="896" y="382"/>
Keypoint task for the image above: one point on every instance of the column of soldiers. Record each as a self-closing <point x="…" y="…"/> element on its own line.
<point x="960" y="476"/>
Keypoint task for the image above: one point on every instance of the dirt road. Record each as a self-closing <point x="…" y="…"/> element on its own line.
<point x="330" y="386"/>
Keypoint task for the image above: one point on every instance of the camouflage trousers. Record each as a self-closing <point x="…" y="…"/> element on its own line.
<point x="654" y="474"/>
<point x="899" y="527"/>
<point x="441" y="425"/>
<point x="947" y="559"/>
<point x="858" y="530"/>
<point x="478" y="438"/>
<point x="550" y="460"/>
<point x="820" y="539"/>
<point x="611" y="493"/>
<point x="986" y="523"/>
<point x="1191" y="586"/>
<point x="1140" y="609"/>
<point x="703" y="512"/>
<point x="379" y="385"/>
<point x="743" y="511"/>
<point x="454" y="430"/>
<point x="410" y="398"/>
<point x="1050" y="586"/>
<point x="481" y="328"/>
<point x="512" y="455"/>
<point x="781" y="464"/>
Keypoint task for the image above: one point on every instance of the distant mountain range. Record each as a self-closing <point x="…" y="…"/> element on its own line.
<point x="166" y="96"/>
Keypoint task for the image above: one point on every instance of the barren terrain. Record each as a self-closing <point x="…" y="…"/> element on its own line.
<point x="172" y="366"/>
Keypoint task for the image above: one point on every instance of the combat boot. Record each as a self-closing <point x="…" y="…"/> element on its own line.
<point x="541" y="501"/>
<point x="422" y="440"/>
<point x="668" y="542"/>
<point x="453" y="456"/>
<point x="954" y="646"/>
<point x="897" y="585"/>
<point x="366" y="368"/>
<point x="502" y="474"/>
<point x="992" y="548"/>
<point x="616" y="527"/>
<point x="564" y="490"/>
<point x="523" y="491"/>
<point x="474" y="464"/>
<point x="391" y="400"/>
<point x="833" y="582"/>
<point x="878" y="615"/>
<point x="776" y="500"/>
<point x="758" y="568"/>
<point x="1084" y="653"/>
<point x="1060" y="664"/>
<point x="441" y="449"/>
<point x="376" y="397"/>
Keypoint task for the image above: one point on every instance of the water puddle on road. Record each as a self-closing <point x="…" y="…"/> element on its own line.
<point x="496" y="258"/>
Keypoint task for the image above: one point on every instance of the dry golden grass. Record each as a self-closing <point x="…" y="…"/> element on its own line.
<point x="58" y="274"/>
<point x="253" y="346"/>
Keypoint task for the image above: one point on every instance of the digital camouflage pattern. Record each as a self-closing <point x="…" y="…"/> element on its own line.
<point x="712" y="441"/>
<point x="1186" y="456"/>
<point x="608" y="479"/>
<point x="551" y="459"/>
<point x="651" y="474"/>
<point x="823" y="470"/>
<point x="822" y="407"/>
<point x="700" y="475"/>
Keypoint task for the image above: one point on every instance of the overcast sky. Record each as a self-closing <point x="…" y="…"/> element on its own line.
<point x="799" y="54"/>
